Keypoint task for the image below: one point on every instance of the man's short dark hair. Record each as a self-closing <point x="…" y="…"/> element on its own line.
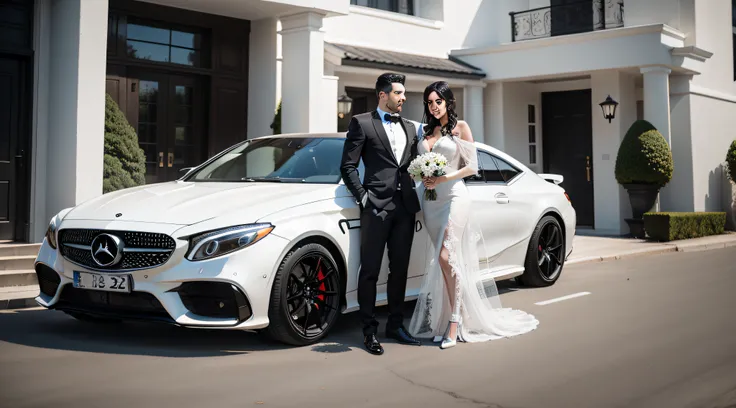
<point x="385" y="81"/>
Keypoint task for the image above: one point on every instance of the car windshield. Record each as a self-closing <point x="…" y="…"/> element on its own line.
<point x="281" y="160"/>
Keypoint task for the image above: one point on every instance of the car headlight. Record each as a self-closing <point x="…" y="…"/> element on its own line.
<point x="51" y="233"/>
<point x="220" y="242"/>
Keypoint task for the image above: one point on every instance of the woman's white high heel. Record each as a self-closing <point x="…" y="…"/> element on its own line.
<point x="446" y="341"/>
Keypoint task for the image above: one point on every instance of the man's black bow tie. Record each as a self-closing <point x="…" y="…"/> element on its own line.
<point x="391" y="118"/>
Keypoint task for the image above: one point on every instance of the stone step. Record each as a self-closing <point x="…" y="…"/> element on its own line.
<point x="18" y="297"/>
<point x="23" y="277"/>
<point x="19" y="249"/>
<point x="17" y="263"/>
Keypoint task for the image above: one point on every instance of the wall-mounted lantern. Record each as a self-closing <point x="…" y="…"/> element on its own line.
<point x="609" y="108"/>
<point x="344" y="105"/>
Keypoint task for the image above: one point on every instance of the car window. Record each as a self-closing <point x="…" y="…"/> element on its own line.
<point x="507" y="171"/>
<point x="302" y="160"/>
<point x="489" y="169"/>
<point x="477" y="177"/>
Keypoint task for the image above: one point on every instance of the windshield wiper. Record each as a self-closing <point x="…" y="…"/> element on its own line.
<point x="274" y="179"/>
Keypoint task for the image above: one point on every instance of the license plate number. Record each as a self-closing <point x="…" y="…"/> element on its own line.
<point x="108" y="283"/>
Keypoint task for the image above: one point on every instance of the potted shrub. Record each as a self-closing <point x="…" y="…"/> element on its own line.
<point x="643" y="166"/>
<point x="731" y="172"/>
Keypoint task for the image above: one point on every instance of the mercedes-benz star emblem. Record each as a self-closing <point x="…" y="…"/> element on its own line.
<point x="107" y="249"/>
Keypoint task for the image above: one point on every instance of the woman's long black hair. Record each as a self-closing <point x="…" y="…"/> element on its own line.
<point x="445" y="93"/>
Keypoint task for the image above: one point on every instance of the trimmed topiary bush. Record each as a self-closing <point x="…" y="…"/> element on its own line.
<point x="124" y="162"/>
<point x="670" y="226"/>
<point x="276" y="124"/>
<point x="731" y="161"/>
<point x="644" y="157"/>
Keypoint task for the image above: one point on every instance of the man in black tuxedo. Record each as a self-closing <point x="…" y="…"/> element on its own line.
<point x="388" y="203"/>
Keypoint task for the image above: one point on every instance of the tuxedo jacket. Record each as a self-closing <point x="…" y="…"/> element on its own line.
<point x="384" y="173"/>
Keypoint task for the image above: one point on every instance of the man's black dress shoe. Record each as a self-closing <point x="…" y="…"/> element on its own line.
<point x="372" y="345"/>
<point x="402" y="336"/>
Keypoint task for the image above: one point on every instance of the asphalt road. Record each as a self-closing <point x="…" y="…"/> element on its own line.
<point x="652" y="331"/>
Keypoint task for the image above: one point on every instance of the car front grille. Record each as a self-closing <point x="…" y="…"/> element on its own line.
<point x="142" y="250"/>
<point x="140" y="305"/>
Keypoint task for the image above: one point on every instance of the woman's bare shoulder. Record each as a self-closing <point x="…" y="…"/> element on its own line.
<point x="463" y="129"/>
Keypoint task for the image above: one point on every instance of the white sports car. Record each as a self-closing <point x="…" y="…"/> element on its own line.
<point x="266" y="236"/>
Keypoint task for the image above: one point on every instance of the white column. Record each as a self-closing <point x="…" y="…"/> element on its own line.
<point x="657" y="112"/>
<point x="682" y="188"/>
<point x="76" y="102"/>
<point x="611" y="200"/>
<point x="473" y="109"/>
<point x="657" y="99"/>
<point x="493" y="109"/>
<point x="262" y="77"/>
<point x="302" y="73"/>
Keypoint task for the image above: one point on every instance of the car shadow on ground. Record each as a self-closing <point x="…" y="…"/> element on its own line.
<point x="55" y="330"/>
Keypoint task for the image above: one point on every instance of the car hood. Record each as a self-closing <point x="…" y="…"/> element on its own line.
<point x="187" y="203"/>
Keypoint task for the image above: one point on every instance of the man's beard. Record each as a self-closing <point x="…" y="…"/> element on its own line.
<point x="393" y="107"/>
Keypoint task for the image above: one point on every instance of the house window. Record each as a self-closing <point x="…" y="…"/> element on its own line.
<point x="532" y="126"/>
<point x="396" y="6"/>
<point x="153" y="42"/>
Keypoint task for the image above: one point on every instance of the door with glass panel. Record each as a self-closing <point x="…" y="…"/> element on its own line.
<point x="169" y="122"/>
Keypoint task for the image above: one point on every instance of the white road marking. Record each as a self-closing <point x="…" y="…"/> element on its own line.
<point x="560" y="299"/>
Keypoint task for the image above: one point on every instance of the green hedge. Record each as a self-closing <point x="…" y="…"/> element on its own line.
<point x="670" y="226"/>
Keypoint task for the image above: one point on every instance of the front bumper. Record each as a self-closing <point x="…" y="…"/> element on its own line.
<point x="229" y="292"/>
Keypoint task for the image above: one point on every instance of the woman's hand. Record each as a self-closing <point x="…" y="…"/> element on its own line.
<point x="432" y="182"/>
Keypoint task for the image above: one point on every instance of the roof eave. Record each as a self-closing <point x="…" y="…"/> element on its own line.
<point x="411" y="70"/>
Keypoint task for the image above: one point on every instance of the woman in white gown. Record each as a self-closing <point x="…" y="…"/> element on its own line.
<point x="455" y="302"/>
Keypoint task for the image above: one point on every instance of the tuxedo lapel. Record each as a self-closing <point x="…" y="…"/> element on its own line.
<point x="382" y="136"/>
<point x="411" y="133"/>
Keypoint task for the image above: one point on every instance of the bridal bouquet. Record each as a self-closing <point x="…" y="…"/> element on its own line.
<point x="428" y="165"/>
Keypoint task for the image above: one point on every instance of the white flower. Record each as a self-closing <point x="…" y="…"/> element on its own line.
<point x="428" y="165"/>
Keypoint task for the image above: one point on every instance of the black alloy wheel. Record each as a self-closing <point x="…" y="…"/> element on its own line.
<point x="545" y="255"/>
<point x="305" y="299"/>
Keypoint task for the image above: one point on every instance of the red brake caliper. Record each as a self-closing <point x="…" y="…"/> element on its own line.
<point x="320" y="276"/>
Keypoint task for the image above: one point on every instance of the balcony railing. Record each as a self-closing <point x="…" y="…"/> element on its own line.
<point x="572" y="18"/>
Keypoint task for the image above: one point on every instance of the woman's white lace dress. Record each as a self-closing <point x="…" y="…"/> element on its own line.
<point x="479" y="308"/>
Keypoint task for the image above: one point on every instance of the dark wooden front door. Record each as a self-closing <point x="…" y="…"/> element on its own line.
<point x="567" y="131"/>
<point x="12" y="151"/>
<point x="571" y="16"/>
<point x="168" y="113"/>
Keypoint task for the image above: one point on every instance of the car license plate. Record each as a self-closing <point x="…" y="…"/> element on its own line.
<point x="108" y="283"/>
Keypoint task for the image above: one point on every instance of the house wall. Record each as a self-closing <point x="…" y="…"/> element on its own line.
<point x="507" y="125"/>
<point x="677" y="14"/>
<point x="442" y="26"/>
<point x="710" y="99"/>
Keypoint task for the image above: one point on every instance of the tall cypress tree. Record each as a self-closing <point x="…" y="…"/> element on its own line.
<point x="125" y="161"/>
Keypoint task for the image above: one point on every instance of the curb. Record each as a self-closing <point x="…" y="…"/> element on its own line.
<point x="688" y="247"/>
<point x="23" y="303"/>
<point x="705" y="247"/>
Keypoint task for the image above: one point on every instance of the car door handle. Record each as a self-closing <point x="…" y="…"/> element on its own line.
<point x="501" y="198"/>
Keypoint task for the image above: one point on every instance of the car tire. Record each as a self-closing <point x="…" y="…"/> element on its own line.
<point x="545" y="256"/>
<point x="316" y="295"/>
<point x="84" y="317"/>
